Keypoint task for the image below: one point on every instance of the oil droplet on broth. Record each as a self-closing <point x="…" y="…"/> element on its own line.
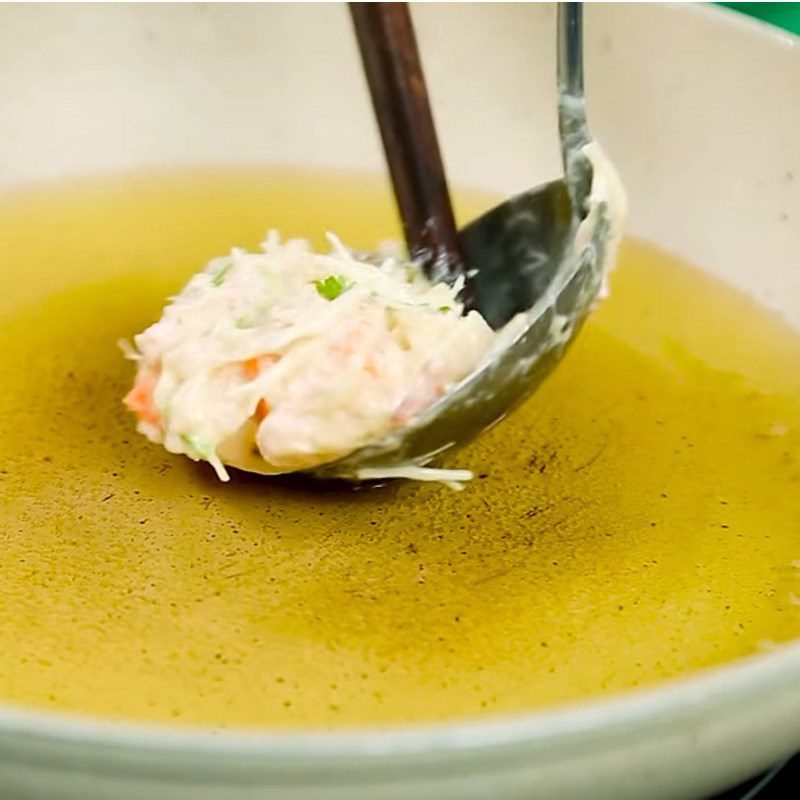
<point x="637" y="519"/>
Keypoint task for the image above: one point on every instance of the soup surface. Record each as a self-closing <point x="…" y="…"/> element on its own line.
<point x="637" y="519"/>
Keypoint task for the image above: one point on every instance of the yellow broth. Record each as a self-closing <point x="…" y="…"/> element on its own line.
<point x="636" y="520"/>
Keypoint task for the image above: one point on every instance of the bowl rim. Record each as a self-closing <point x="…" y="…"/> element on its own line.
<point x="747" y="679"/>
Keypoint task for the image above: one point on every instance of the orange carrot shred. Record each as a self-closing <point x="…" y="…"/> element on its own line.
<point x="262" y="409"/>
<point x="252" y="367"/>
<point x="371" y="367"/>
<point x="140" y="400"/>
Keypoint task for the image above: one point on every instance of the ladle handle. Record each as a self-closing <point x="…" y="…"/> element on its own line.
<point x="399" y="96"/>
<point x="572" y="126"/>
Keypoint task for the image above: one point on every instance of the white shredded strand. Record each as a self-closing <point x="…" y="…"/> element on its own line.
<point x="128" y="350"/>
<point x="338" y="248"/>
<point x="413" y="473"/>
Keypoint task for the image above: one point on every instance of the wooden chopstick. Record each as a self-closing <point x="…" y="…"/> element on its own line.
<point x="400" y="98"/>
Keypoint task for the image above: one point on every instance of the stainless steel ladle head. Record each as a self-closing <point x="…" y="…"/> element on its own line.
<point x="538" y="263"/>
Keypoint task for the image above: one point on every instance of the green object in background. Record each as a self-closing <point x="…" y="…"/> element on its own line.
<point x="784" y="15"/>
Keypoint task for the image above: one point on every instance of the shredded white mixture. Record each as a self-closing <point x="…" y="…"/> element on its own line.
<point x="288" y="359"/>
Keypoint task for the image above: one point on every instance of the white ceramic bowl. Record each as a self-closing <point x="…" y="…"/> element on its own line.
<point x="700" y="108"/>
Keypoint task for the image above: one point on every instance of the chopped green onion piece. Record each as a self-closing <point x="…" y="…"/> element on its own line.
<point x="445" y="309"/>
<point x="219" y="278"/>
<point x="332" y="287"/>
<point x="200" y="447"/>
<point x="412" y="273"/>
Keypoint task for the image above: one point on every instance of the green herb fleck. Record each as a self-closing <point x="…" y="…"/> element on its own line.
<point x="445" y="309"/>
<point x="219" y="278"/>
<point x="198" y="445"/>
<point x="332" y="287"/>
<point x="412" y="273"/>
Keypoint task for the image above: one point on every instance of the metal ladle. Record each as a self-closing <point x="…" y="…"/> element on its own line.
<point x="541" y="254"/>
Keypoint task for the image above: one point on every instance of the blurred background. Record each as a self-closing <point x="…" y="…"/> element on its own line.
<point x="784" y="15"/>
